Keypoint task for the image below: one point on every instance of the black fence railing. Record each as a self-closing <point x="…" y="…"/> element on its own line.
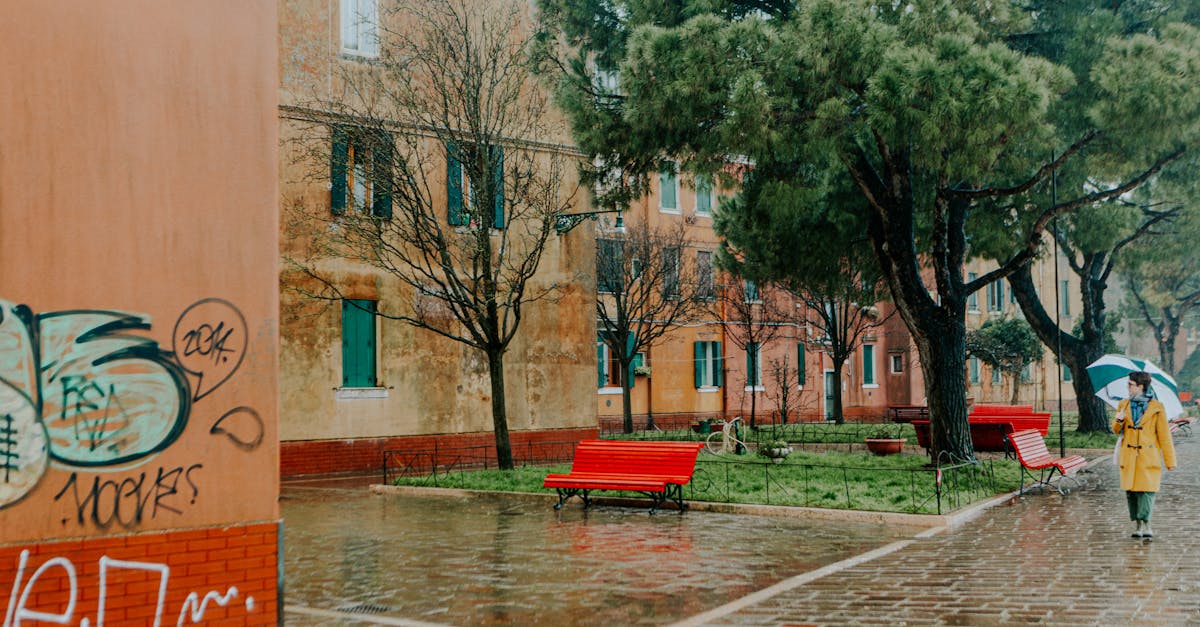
<point x="912" y="490"/>
<point x="723" y="479"/>
<point x="434" y="460"/>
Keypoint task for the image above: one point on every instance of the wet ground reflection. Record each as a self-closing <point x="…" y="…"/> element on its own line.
<point x="518" y="562"/>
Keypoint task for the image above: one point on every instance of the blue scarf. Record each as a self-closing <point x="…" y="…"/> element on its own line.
<point x="1137" y="406"/>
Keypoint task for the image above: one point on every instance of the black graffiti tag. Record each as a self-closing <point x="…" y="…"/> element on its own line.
<point x="128" y="501"/>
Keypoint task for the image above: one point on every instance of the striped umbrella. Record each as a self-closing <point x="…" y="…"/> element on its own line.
<point x="1110" y="379"/>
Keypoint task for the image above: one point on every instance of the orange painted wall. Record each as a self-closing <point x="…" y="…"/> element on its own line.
<point x="138" y="295"/>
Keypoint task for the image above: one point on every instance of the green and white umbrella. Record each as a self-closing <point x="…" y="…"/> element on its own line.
<point x="1110" y="379"/>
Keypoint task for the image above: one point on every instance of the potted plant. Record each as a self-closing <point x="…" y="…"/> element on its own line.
<point x="884" y="442"/>
<point x="775" y="450"/>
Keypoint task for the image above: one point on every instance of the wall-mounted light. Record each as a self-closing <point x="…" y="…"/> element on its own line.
<point x="564" y="222"/>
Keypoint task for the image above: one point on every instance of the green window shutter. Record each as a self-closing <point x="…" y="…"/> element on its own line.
<point x="358" y="343"/>
<point x="601" y="366"/>
<point x="630" y="341"/>
<point x="454" y="190"/>
<point x="698" y="363"/>
<point x="800" y="366"/>
<point x="381" y="168"/>
<point x="868" y="354"/>
<point x="718" y="364"/>
<point x="498" y="177"/>
<point x="751" y="359"/>
<point x="339" y="154"/>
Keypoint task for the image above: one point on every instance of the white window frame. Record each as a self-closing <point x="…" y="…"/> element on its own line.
<point x="608" y="376"/>
<point x="712" y="361"/>
<point x="360" y="18"/>
<point x="868" y="361"/>
<point x="896" y="358"/>
<point x="703" y="180"/>
<point x="973" y="371"/>
<point x="973" y="298"/>
<point x="675" y="181"/>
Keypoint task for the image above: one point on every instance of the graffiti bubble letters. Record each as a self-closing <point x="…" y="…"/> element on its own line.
<point x="192" y="611"/>
<point x="127" y="502"/>
<point x="210" y="340"/>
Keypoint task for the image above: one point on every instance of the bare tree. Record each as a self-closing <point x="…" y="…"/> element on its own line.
<point x="752" y="316"/>
<point x="437" y="180"/>
<point x="645" y="288"/>
<point x="785" y="375"/>
<point x="840" y="324"/>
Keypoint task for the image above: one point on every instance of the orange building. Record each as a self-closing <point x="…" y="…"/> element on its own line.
<point x="702" y="370"/>
<point x="138" y="313"/>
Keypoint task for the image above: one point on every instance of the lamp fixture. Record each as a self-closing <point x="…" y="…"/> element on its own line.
<point x="564" y="222"/>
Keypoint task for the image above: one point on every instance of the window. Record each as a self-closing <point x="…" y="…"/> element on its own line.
<point x="668" y="190"/>
<point x="704" y="198"/>
<point x="360" y="172"/>
<point x="973" y="299"/>
<point x="751" y="292"/>
<point x="1065" y="294"/>
<point x="897" y="363"/>
<point x="973" y="368"/>
<point x="607" y="83"/>
<point x="995" y="374"/>
<point x="753" y="364"/>
<point x="800" y="366"/>
<point x="360" y="28"/>
<point x="868" y="369"/>
<point x="995" y="296"/>
<point x="707" y="364"/>
<point x="1066" y="373"/>
<point x="459" y="186"/>
<point x="609" y="266"/>
<point x="608" y="364"/>
<point x="704" y="275"/>
<point x="1027" y="373"/>
<point x="358" y="343"/>
<point x="670" y="272"/>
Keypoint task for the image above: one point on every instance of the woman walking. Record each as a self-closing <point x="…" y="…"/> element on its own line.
<point x="1146" y="448"/>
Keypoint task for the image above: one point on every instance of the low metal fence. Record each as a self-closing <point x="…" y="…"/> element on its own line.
<point x="923" y="490"/>
<point x="421" y="462"/>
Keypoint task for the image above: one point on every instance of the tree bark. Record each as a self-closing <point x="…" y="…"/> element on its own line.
<point x="626" y="396"/>
<point x="838" y="410"/>
<point x="499" y="415"/>
<point x="944" y="363"/>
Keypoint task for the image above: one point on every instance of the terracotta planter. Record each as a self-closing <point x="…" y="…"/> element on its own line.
<point x="885" y="446"/>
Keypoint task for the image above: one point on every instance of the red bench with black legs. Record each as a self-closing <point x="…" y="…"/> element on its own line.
<point x="656" y="469"/>
<point x="1032" y="453"/>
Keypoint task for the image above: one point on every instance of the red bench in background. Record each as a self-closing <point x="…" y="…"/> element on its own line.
<point x="990" y="424"/>
<point x="1031" y="451"/>
<point x="907" y="413"/>
<point x="656" y="469"/>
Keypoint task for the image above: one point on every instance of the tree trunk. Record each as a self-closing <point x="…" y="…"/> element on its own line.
<point x="1016" y="391"/>
<point x="499" y="415"/>
<point x="753" y="403"/>
<point x="944" y="363"/>
<point x="837" y="410"/>
<point x="1166" y="341"/>
<point x="626" y="396"/>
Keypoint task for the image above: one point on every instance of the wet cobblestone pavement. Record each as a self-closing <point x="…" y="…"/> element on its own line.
<point x="517" y="562"/>
<point x="1043" y="559"/>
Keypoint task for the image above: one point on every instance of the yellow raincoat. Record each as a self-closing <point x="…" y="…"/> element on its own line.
<point x="1145" y="449"/>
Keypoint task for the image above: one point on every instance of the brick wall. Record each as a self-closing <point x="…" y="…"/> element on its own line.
<point x="317" y="457"/>
<point x="217" y="576"/>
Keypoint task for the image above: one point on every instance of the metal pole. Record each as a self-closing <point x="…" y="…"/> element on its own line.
<point x="1062" y="442"/>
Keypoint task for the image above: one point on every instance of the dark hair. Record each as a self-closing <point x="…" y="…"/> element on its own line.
<point x="1142" y="379"/>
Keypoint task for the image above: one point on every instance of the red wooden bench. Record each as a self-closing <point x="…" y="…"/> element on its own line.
<point x="656" y="469"/>
<point x="907" y="413"/>
<point x="991" y="424"/>
<point x="1032" y="453"/>
<point x="1181" y="425"/>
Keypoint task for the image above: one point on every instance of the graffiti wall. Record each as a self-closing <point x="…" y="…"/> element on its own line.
<point x="138" y="313"/>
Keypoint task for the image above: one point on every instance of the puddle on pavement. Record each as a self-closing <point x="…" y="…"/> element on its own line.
<point x="465" y="561"/>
